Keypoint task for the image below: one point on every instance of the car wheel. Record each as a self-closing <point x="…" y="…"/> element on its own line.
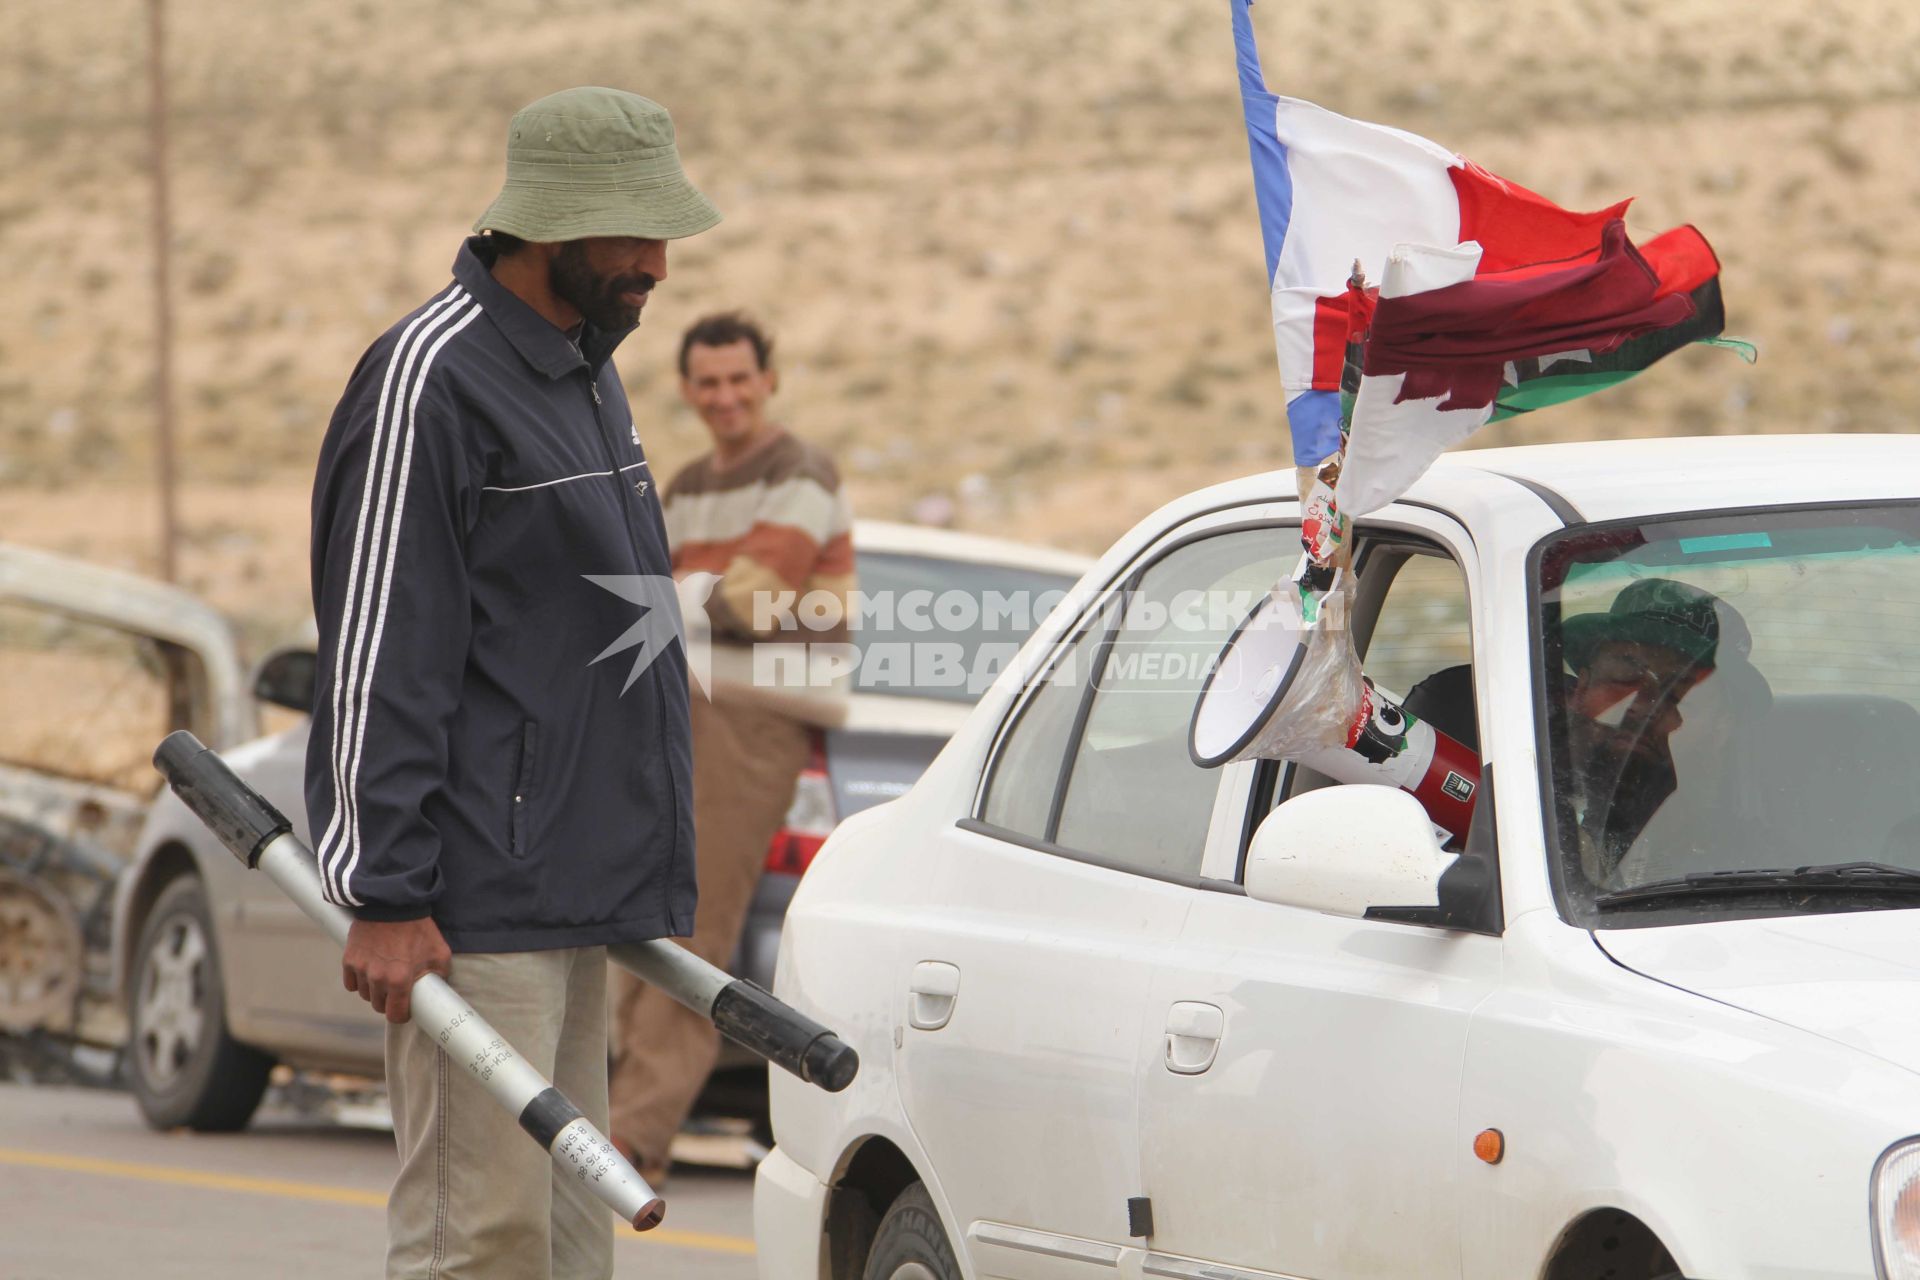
<point x="911" y="1244"/>
<point x="186" y="1070"/>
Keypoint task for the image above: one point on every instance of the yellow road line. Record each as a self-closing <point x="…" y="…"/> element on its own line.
<point x="193" y="1178"/>
<point x="312" y="1191"/>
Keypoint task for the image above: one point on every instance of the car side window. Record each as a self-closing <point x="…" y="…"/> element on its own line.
<point x="1026" y="773"/>
<point x="1097" y="762"/>
<point x="1413" y="610"/>
<point x="1133" y="796"/>
<point x="1421" y="646"/>
<point x="86" y="700"/>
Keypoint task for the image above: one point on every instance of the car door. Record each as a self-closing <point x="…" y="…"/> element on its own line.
<point x="1301" y="1071"/>
<point x="1017" y="1049"/>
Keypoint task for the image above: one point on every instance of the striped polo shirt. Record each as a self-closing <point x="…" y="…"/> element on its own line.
<point x="775" y="527"/>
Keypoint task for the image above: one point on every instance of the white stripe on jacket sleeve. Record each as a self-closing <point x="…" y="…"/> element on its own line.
<point x="345" y="639"/>
<point x="386" y="590"/>
<point x="367" y="539"/>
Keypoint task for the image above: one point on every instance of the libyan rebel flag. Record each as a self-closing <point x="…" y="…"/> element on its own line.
<point x="1447" y="345"/>
<point x="1490" y="300"/>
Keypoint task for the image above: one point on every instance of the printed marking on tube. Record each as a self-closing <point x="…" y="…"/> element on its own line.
<point x="586" y="1152"/>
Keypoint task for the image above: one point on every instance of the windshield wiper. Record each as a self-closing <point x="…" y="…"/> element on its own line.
<point x="1841" y="877"/>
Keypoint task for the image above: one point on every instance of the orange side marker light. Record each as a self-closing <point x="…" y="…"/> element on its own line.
<point x="1490" y="1145"/>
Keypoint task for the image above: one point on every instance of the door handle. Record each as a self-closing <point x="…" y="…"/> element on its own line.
<point x="1193" y="1036"/>
<point x="931" y="994"/>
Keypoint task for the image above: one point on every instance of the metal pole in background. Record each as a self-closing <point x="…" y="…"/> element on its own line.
<point x="162" y="282"/>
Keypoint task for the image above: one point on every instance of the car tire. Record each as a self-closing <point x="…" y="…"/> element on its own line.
<point x="911" y="1244"/>
<point x="186" y="1071"/>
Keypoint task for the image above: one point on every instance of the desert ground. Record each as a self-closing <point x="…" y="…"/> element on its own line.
<point x="1009" y="247"/>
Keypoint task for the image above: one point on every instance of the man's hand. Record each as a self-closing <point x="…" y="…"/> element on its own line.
<point x="383" y="960"/>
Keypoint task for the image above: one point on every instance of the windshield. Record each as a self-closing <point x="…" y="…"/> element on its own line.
<point x="1730" y="693"/>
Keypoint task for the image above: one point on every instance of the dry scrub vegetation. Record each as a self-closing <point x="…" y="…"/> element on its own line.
<point x="1009" y="245"/>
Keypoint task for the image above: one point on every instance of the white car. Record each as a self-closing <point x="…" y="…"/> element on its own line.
<point x="1122" y="1016"/>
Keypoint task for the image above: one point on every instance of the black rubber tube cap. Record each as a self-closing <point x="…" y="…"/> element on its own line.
<point x="831" y="1063"/>
<point x="232" y="810"/>
<point x="752" y="1016"/>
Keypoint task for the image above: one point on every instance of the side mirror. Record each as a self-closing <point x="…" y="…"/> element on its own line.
<point x="286" y="679"/>
<point x="1356" y="850"/>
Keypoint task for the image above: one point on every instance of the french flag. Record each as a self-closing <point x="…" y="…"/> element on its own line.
<point x="1483" y="299"/>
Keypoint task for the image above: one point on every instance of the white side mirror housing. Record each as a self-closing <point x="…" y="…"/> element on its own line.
<point x="1344" y="849"/>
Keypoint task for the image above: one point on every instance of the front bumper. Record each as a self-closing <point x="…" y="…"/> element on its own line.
<point x="789" y="1217"/>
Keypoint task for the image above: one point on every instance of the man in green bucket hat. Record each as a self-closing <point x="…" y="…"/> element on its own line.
<point x="595" y="162"/>
<point x="595" y="189"/>
<point x="490" y="800"/>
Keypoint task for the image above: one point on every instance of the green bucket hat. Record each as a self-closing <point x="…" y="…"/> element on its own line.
<point x="1656" y="611"/>
<point x="595" y="162"/>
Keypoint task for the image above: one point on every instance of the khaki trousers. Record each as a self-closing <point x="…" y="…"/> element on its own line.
<point x="745" y="763"/>
<point x="476" y="1198"/>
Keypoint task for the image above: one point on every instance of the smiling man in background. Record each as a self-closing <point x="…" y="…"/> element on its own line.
<point x="765" y="512"/>
<point x="489" y="802"/>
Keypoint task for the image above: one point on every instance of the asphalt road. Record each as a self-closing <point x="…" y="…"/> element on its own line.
<point x="87" y="1190"/>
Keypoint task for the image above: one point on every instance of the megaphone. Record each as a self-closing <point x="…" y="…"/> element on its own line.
<point x="1283" y="686"/>
<point x="1251" y="681"/>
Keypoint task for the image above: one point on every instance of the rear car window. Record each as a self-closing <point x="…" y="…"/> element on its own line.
<point x="929" y="627"/>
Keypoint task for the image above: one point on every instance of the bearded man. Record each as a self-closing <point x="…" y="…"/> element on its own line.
<point x="490" y="801"/>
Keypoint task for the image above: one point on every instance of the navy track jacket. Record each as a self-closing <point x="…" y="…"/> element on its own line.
<point x="469" y="758"/>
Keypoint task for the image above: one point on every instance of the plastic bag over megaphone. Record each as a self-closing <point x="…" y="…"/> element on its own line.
<point x="1288" y="681"/>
